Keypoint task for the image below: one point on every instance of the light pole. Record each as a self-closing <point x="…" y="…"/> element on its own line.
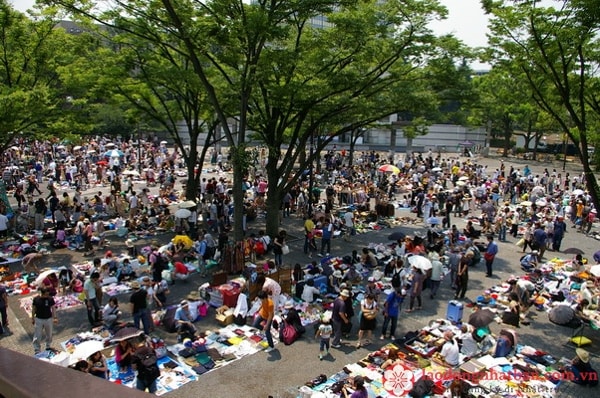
<point x="310" y="176"/>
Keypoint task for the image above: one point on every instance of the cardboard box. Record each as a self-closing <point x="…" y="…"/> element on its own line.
<point x="224" y="315"/>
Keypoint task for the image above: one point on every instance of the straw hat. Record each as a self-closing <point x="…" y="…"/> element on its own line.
<point x="135" y="285"/>
<point x="337" y="274"/>
<point x="345" y="293"/>
<point x="193" y="296"/>
<point x="583" y="355"/>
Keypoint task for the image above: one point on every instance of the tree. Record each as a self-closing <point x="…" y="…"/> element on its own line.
<point x="557" y="51"/>
<point x="32" y="97"/>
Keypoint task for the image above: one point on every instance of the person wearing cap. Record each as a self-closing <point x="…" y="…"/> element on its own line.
<point x="335" y="281"/>
<point x="580" y="371"/>
<point x="184" y="321"/>
<point x="372" y="288"/>
<point x="339" y="317"/>
<point x="450" y="349"/>
<point x="139" y="307"/>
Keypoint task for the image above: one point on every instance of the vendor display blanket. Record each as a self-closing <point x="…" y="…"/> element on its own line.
<point x="171" y="377"/>
<point x="62" y="302"/>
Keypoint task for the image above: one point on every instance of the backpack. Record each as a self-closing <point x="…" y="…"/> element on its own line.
<point x="396" y="280"/>
<point x="149" y="370"/>
<point x="476" y="256"/>
<point x="160" y="262"/>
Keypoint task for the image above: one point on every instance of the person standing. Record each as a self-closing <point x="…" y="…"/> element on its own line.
<point x="349" y="223"/>
<point x="560" y="229"/>
<point x="416" y="288"/>
<point x="43" y="316"/>
<point x="490" y="255"/>
<point x="91" y="298"/>
<point x="278" y="243"/>
<point x="326" y="238"/>
<point x="436" y="273"/>
<point x="391" y="310"/>
<point x="324" y="333"/>
<point x="462" y="276"/>
<point x="144" y="361"/>
<point x="339" y="318"/>
<point x="266" y="313"/>
<point x="368" y="319"/>
<point x="539" y="239"/>
<point x="3" y="307"/>
<point x="139" y="307"/>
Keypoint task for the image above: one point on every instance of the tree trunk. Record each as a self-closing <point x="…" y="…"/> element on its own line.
<point x="507" y="134"/>
<point x="274" y="197"/>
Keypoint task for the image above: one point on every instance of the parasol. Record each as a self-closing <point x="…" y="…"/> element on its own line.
<point x="595" y="270"/>
<point x="573" y="250"/>
<point x="433" y="221"/>
<point x="561" y="314"/>
<point x="389" y="168"/>
<point x="397" y="235"/>
<point x="541" y="202"/>
<point x="126" y="333"/>
<point x="14" y="148"/>
<point x="109" y="145"/>
<point x="90" y="152"/>
<point x="183" y="213"/>
<point x="102" y="163"/>
<point x="436" y="169"/>
<point x="60" y="147"/>
<point x="184" y="240"/>
<point x="423" y="263"/>
<point x="187" y="204"/>
<point x="131" y="173"/>
<point x="76" y="148"/>
<point x="481" y="318"/>
<point x="525" y="203"/>
<point x="44" y="274"/>
<point x="86" y="349"/>
<point x="461" y="183"/>
<point x="163" y="143"/>
<point x="113" y="153"/>
<point x="463" y="178"/>
<point x="577" y="192"/>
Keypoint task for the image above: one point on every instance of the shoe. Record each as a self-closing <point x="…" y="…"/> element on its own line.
<point x="392" y="338"/>
<point x="382" y="337"/>
<point x="336" y="346"/>
<point x="327" y="254"/>
<point x="358" y="345"/>
<point x="320" y="357"/>
<point x="269" y="349"/>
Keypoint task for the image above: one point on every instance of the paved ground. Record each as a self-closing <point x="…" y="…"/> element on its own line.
<point x="281" y="372"/>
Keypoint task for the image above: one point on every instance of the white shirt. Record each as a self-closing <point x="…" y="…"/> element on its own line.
<point x="450" y="352"/>
<point x="3" y="222"/>
<point x="308" y="293"/>
<point x="348" y="219"/>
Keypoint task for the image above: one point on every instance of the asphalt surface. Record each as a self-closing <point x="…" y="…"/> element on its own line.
<point x="281" y="372"/>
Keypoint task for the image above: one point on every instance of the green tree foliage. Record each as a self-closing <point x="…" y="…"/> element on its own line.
<point x="557" y="51"/>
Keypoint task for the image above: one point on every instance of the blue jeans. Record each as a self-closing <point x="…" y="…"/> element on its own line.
<point x="502" y="233"/>
<point x="142" y="385"/>
<point x="325" y="242"/>
<point x="142" y="315"/>
<point x="324" y="344"/>
<point x="93" y="310"/>
<point x="257" y="323"/>
<point x="386" y="321"/>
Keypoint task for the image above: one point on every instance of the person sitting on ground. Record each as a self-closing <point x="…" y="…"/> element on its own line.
<point x="125" y="271"/>
<point x="310" y="292"/>
<point x="582" y="369"/>
<point x="352" y="275"/>
<point x="183" y="320"/>
<point x="111" y="313"/>
<point x="180" y="272"/>
<point x="392" y="358"/>
<point x="123" y="352"/>
<point x="450" y="349"/>
<point x="67" y="280"/>
<point x="368" y="259"/>
<point x="357" y="383"/>
<point x="98" y="365"/>
<point x="512" y="315"/>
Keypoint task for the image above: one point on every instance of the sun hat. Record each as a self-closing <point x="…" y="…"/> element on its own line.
<point x="183" y="303"/>
<point x="129" y="243"/>
<point x="371" y="279"/>
<point x="135" y="285"/>
<point x="583" y="355"/>
<point x="337" y="274"/>
<point x="345" y="293"/>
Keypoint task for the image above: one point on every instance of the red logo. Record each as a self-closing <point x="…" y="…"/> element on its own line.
<point x="398" y="380"/>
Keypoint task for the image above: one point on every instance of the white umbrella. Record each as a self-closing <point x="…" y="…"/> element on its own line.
<point x="14" y="148"/>
<point x="463" y="178"/>
<point x="436" y="169"/>
<point x="525" y="203"/>
<point x="44" y="274"/>
<point x="110" y="145"/>
<point x="183" y="213"/>
<point x="541" y="202"/>
<point x="461" y="183"/>
<point x="91" y="151"/>
<point x="76" y="148"/>
<point x="85" y="350"/>
<point x="420" y="262"/>
<point x="163" y="143"/>
<point x="595" y="270"/>
<point x="60" y="147"/>
<point x="113" y="153"/>
<point x="577" y="192"/>
<point x="187" y="204"/>
<point x="433" y="221"/>
<point x="131" y="173"/>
